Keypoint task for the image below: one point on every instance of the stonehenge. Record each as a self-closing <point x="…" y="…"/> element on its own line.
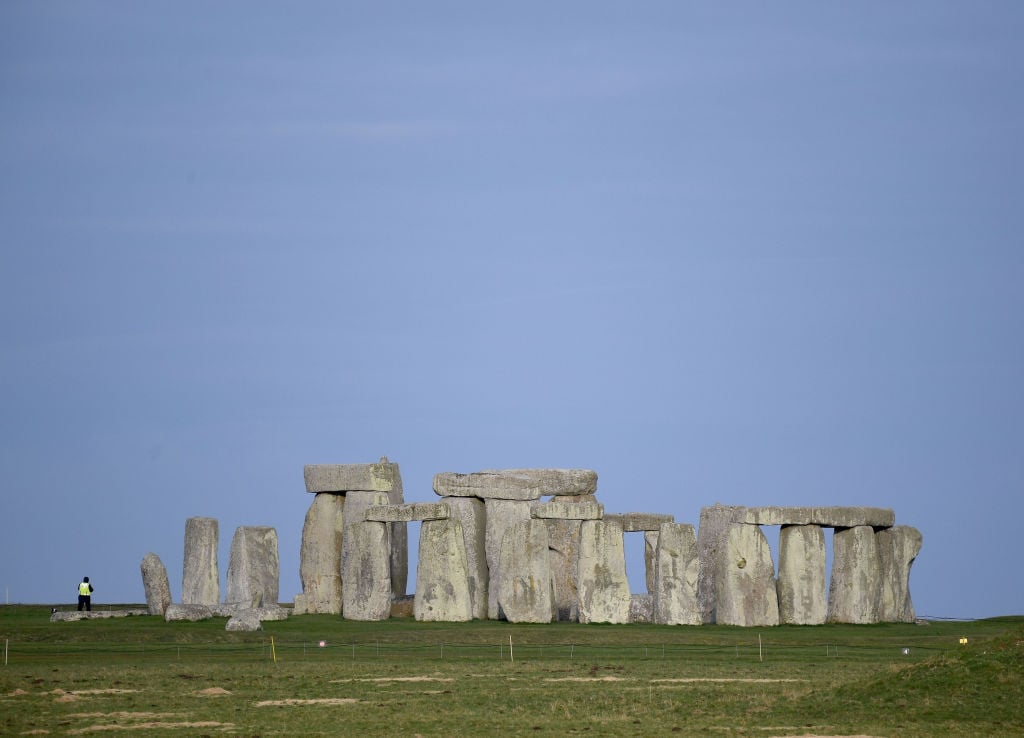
<point x="536" y="546"/>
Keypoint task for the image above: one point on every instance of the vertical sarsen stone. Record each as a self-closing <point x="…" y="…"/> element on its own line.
<point x="801" y="584"/>
<point x="200" y="580"/>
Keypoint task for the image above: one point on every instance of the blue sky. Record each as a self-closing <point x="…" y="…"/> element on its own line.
<point x="750" y="254"/>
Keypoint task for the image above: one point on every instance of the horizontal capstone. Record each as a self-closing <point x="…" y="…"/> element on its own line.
<point x="828" y="517"/>
<point x="558" y="510"/>
<point x="634" y="522"/>
<point x="408" y="512"/>
<point x="340" y="478"/>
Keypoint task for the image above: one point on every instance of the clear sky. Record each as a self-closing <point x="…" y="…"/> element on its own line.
<point x="744" y="253"/>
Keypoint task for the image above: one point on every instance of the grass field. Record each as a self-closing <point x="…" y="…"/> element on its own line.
<point x="141" y="675"/>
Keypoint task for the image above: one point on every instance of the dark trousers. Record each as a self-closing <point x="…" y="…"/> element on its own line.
<point x="85" y="600"/>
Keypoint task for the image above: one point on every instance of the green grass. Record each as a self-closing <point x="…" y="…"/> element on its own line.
<point x="399" y="677"/>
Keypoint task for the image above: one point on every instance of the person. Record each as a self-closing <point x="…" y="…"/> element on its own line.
<point x="85" y="591"/>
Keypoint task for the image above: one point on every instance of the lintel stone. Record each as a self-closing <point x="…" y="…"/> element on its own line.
<point x="635" y="522"/>
<point x="340" y="478"/>
<point x="408" y="512"/>
<point x="827" y="517"/>
<point x="556" y="482"/>
<point x="516" y="484"/>
<point x="558" y="510"/>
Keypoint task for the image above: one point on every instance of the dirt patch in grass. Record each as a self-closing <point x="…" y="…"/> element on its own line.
<point x="726" y="680"/>
<point x="213" y="692"/>
<point x="125" y="715"/>
<point x="102" y="728"/>
<point x="314" y="701"/>
<point x="589" y="679"/>
<point x="397" y="679"/>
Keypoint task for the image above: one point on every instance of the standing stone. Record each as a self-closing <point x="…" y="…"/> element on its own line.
<point x="676" y="567"/>
<point x="366" y="571"/>
<point x="253" y="566"/>
<point x="500" y="515"/>
<point x="563" y="562"/>
<point x="200" y="580"/>
<point x="399" y="533"/>
<point x="650" y="559"/>
<point x="524" y="579"/>
<point x="856" y="586"/>
<point x="357" y="502"/>
<point x="897" y="549"/>
<point x="745" y="592"/>
<point x="442" y="580"/>
<point x="320" y="555"/>
<point x="471" y="514"/>
<point x="801" y="584"/>
<point x="603" y="586"/>
<point x="715" y="523"/>
<point x="155" y="584"/>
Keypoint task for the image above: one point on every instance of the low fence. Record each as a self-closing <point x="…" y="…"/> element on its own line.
<point x="325" y="651"/>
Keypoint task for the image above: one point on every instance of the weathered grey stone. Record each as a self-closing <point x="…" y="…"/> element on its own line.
<point x="560" y="510"/>
<point x="604" y="595"/>
<point x="801" y="584"/>
<point x="200" y="580"/>
<point x="403" y="607"/>
<point x="320" y="554"/>
<point x="499" y="515"/>
<point x="366" y="571"/>
<point x="897" y="549"/>
<point x="676" y="569"/>
<point x="563" y="561"/>
<point x="855" y="587"/>
<point x="487" y="485"/>
<point x="641" y="608"/>
<point x="244" y="620"/>
<point x="827" y="517"/>
<point x="635" y="522"/>
<point x="253" y="565"/>
<point x="380" y="477"/>
<point x="301" y="603"/>
<point x="471" y="514"/>
<point x="524" y="578"/>
<point x="408" y="512"/>
<point x="745" y="591"/>
<point x="357" y="502"/>
<point x="650" y="558"/>
<point x="715" y="523"/>
<point x="188" y="613"/>
<point x="556" y="482"/>
<point x="399" y="533"/>
<point x="442" y="579"/>
<point x="273" y="612"/>
<point x="155" y="584"/>
<point x="225" y="610"/>
<point x="68" y="616"/>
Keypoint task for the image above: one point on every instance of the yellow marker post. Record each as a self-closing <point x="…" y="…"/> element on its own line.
<point x="273" y="651"/>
